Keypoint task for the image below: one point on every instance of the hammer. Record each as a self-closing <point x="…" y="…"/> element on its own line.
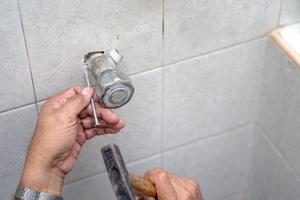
<point x="125" y="185"/>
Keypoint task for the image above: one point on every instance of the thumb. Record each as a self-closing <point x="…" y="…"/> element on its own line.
<point x="77" y="103"/>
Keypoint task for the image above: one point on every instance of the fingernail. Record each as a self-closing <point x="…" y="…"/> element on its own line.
<point x="87" y="91"/>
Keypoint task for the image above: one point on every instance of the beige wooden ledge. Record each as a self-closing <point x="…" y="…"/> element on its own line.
<point x="288" y="38"/>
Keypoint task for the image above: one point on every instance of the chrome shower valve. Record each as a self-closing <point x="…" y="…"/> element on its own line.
<point x="113" y="87"/>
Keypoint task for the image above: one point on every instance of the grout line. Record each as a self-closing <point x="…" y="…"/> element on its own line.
<point x="279" y="14"/>
<point x="141" y="160"/>
<point x="17" y="107"/>
<point x="145" y="71"/>
<point x="218" y="135"/>
<point x="197" y="57"/>
<point x="27" y="54"/>
<point x="261" y="81"/>
<point x="161" y="143"/>
<point x="278" y="152"/>
<point x="130" y="75"/>
<point x="162" y="66"/>
<point x="162" y="86"/>
<point x="215" y="51"/>
<point x="129" y="164"/>
<point x="243" y="191"/>
<point x="42" y="100"/>
<point x="163" y="28"/>
<point x="98" y="174"/>
<point x="264" y="135"/>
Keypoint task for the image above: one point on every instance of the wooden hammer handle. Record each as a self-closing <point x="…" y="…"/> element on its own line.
<point x="142" y="186"/>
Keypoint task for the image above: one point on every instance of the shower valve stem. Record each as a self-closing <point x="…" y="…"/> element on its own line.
<point x="86" y="75"/>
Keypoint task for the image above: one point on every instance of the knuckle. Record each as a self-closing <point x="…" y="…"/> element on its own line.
<point x="156" y="173"/>
<point x="157" y="169"/>
<point x="154" y="170"/>
<point x="162" y="174"/>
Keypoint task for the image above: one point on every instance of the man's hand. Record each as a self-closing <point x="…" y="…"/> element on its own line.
<point x="65" y="123"/>
<point x="171" y="187"/>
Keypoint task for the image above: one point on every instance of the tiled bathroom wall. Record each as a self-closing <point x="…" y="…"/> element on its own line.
<point x="289" y="12"/>
<point x="204" y="106"/>
<point x="277" y="147"/>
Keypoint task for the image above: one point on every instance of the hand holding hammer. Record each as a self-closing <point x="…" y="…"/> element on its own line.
<point x="124" y="184"/>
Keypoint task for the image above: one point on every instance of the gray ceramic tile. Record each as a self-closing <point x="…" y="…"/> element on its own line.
<point x="142" y="135"/>
<point x="211" y="94"/>
<point x="288" y="140"/>
<point x="279" y="107"/>
<point x="59" y="33"/>
<point x="17" y="127"/>
<point x="220" y="164"/>
<point x="16" y="87"/>
<point x="142" y="166"/>
<point x="271" y="178"/>
<point x="290" y="12"/>
<point x="237" y="196"/>
<point x="90" y="160"/>
<point x="193" y="27"/>
<point x="277" y="90"/>
<point x="98" y="187"/>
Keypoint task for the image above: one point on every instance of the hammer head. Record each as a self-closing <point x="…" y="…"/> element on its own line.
<point x="117" y="172"/>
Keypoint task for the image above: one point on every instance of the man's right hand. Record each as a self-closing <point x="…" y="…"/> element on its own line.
<point x="171" y="187"/>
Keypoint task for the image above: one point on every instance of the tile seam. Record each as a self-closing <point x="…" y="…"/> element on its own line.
<point x="131" y="76"/>
<point x="18" y="107"/>
<point x="78" y="181"/>
<point x="181" y="61"/>
<point x="129" y="164"/>
<point x="208" y="53"/>
<point x="241" y="191"/>
<point x="162" y="86"/>
<point x="279" y="13"/>
<point x="211" y="138"/>
<point x="224" y="133"/>
<point x="277" y="152"/>
<point x="197" y="56"/>
<point x="27" y="55"/>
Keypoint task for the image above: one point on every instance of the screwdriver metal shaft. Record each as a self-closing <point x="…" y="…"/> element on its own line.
<point x="87" y="78"/>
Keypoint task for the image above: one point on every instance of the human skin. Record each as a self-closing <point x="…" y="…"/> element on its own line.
<point x="171" y="187"/>
<point x="64" y="124"/>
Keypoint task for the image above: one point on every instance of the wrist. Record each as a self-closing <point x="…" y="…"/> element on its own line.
<point x="38" y="176"/>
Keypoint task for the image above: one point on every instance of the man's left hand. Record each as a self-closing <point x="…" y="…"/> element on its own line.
<point x="65" y="123"/>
